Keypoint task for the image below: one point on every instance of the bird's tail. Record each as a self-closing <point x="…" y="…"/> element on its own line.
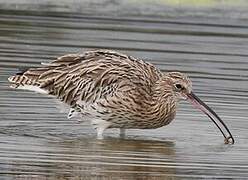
<point x="28" y="80"/>
<point x="42" y="79"/>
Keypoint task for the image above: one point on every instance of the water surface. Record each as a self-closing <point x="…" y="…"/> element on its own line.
<point x="209" y="44"/>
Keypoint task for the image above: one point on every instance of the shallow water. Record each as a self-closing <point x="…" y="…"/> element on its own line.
<point x="209" y="44"/>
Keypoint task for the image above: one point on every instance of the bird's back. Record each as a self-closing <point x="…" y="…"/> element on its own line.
<point x="90" y="76"/>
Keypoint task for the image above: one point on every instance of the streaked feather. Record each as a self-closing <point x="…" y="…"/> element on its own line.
<point x="124" y="91"/>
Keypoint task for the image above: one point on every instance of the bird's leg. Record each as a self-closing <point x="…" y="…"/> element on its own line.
<point x="100" y="126"/>
<point x="100" y="133"/>
<point x="122" y="132"/>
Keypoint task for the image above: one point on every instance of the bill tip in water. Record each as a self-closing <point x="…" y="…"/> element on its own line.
<point x="229" y="140"/>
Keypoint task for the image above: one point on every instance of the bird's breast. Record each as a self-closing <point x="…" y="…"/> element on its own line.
<point x="140" y="120"/>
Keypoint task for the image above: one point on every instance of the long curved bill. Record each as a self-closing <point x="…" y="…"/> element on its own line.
<point x="213" y="116"/>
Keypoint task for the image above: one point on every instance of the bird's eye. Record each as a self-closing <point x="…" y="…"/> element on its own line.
<point x="179" y="86"/>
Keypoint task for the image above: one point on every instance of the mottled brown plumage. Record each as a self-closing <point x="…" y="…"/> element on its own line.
<point x="111" y="89"/>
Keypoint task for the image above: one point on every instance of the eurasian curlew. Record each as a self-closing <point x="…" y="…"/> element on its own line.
<point x="114" y="90"/>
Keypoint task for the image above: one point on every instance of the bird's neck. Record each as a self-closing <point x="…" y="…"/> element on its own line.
<point x="163" y="104"/>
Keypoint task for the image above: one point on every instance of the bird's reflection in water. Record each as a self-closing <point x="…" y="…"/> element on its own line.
<point x="113" y="158"/>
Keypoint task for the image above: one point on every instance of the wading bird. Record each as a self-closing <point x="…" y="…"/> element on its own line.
<point x="114" y="90"/>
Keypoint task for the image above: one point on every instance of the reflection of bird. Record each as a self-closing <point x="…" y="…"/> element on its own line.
<point x="114" y="90"/>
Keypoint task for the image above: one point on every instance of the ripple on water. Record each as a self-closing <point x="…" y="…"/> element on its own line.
<point x="37" y="141"/>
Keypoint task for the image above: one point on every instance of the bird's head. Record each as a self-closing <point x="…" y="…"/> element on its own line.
<point x="180" y="87"/>
<point x="179" y="84"/>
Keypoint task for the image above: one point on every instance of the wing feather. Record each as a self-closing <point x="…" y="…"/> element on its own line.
<point x="89" y="76"/>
